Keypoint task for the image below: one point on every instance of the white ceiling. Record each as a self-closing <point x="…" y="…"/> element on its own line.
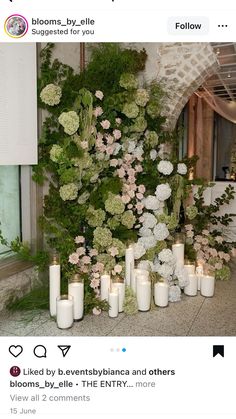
<point x="223" y="83"/>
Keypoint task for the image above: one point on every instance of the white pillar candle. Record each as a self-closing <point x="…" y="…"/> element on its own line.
<point x="199" y="273"/>
<point x="113" y="301"/>
<point x="120" y="286"/>
<point x="207" y="285"/>
<point x="65" y="311"/>
<point x="161" y="294"/>
<point x="54" y="285"/>
<point x="143" y="293"/>
<point x="136" y="273"/>
<point x="178" y="252"/>
<point x="191" y="288"/>
<point x="105" y="286"/>
<point x="76" y="290"/>
<point x="129" y="265"/>
<point x="189" y="268"/>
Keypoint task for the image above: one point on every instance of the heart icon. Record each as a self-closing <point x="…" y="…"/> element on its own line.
<point x="15" y="350"/>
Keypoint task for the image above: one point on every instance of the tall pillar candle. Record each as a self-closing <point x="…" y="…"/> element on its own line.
<point x="129" y="265"/>
<point x="143" y="293"/>
<point x="207" y="285"/>
<point x="199" y="273"/>
<point x="191" y="288"/>
<point x="65" y="311"/>
<point x="178" y="252"/>
<point x="54" y="283"/>
<point x="76" y="290"/>
<point x="105" y="286"/>
<point x="120" y="286"/>
<point x="113" y="301"/>
<point x="161" y="294"/>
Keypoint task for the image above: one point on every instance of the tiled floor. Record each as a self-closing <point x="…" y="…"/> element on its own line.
<point x="192" y="316"/>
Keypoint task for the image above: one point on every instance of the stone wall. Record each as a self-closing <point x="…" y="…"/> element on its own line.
<point x="181" y="68"/>
<point x="16" y="286"/>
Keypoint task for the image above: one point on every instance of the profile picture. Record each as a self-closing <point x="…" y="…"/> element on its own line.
<point x="16" y="26"/>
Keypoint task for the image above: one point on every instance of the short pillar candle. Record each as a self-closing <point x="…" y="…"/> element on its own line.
<point x="143" y="293"/>
<point x="178" y="250"/>
<point x="208" y="285"/>
<point x="161" y="294"/>
<point x="65" y="312"/>
<point x="113" y="301"/>
<point x="119" y="285"/>
<point x="191" y="288"/>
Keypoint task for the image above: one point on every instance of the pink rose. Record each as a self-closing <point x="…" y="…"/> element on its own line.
<point x="93" y="252"/>
<point x="86" y="260"/>
<point x="138" y="168"/>
<point x="79" y="239"/>
<point x="118" y="269"/>
<point x="131" y="172"/>
<point x="139" y="196"/>
<point x="131" y="194"/>
<point x="219" y="239"/>
<point x="113" y="251"/>
<point x="84" y="269"/>
<point x="125" y="198"/>
<point x="118" y="121"/>
<point x="113" y="162"/>
<point x="121" y="172"/>
<point x="218" y="265"/>
<point x="74" y="258"/>
<point x="141" y="188"/>
<point x="98" y="111"/>
<point x="226" y="257"/>
<point x="110" y="139"/>
<point x="117" y="134"/>
<point x="99" y="136"/>
<point x="128" y="157"/>
<point x="190" y="234"/>
<point x="80" y="251"/>
<point x="197" y="246"/>
<point x="97" y="311"/>
<point x="99" y="94"/>
<point x="94" y="283"/>
<point x="130" y="206"/>
<point x="188" y="227"/>
<point x="105" y="124"/>
<point x="110" y="149"/>
<point x="139" y="206"/>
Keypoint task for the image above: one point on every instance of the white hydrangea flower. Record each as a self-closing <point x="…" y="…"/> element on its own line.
<point x="164" y="269"/>
<point x="145" y="232"/>
<point x="138" y="152"/>
<point x="148" y="242"/>
<point x="144" y="264"/>
<point x="165" y="167"/>
<point x="163" y="191"/>
<point x="167" y="256"/>
<point x="161" y="231"/>
<point x="182" y="277"/>
<point x="182" y="168"/>
<point x="174" y="293"/>
<point x="151" y="203"/>
<point x="153" y="154"/>
<point x="131" y="146"/>
<point x="149" y="220"/>
<point x="139" y="250"/>
<point x="51" y="95"/>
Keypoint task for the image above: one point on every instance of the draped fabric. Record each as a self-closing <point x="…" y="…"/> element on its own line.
<point x="225" y="108"/>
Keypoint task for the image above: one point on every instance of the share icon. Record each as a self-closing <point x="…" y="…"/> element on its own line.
<point x="64" y="349"/>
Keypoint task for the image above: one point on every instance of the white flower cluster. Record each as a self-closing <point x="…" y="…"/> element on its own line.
<point x="182" y="277"/>
<point x="161" y="231"/>
<point x="69" y="121"/>
<point x="148" y="242"/>
<point x="165" y="167"/>
<point x="152" y="203"/>
<point x="51" y="95"/>
<point x="164" y="270"/>
<point x="174" y="293"/>
<point x="167" y="256"/>
<point x="149" y="220"/>
<point x="153" y="154"/>
<point x="163" y="191"/>
<point x="139" y="251"/>
<point x="182" y="168"/>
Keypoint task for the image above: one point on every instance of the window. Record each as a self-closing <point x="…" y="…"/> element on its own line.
<point x="9" y="204"/>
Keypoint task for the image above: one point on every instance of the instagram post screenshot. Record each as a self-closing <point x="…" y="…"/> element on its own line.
<point x="117" y="209"/>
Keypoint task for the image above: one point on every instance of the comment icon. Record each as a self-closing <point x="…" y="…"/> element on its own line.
<point x="40" y="351"/>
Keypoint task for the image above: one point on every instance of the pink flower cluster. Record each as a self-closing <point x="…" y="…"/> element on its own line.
<point x="106" y="143"/>
<point x="203" y="245"/>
